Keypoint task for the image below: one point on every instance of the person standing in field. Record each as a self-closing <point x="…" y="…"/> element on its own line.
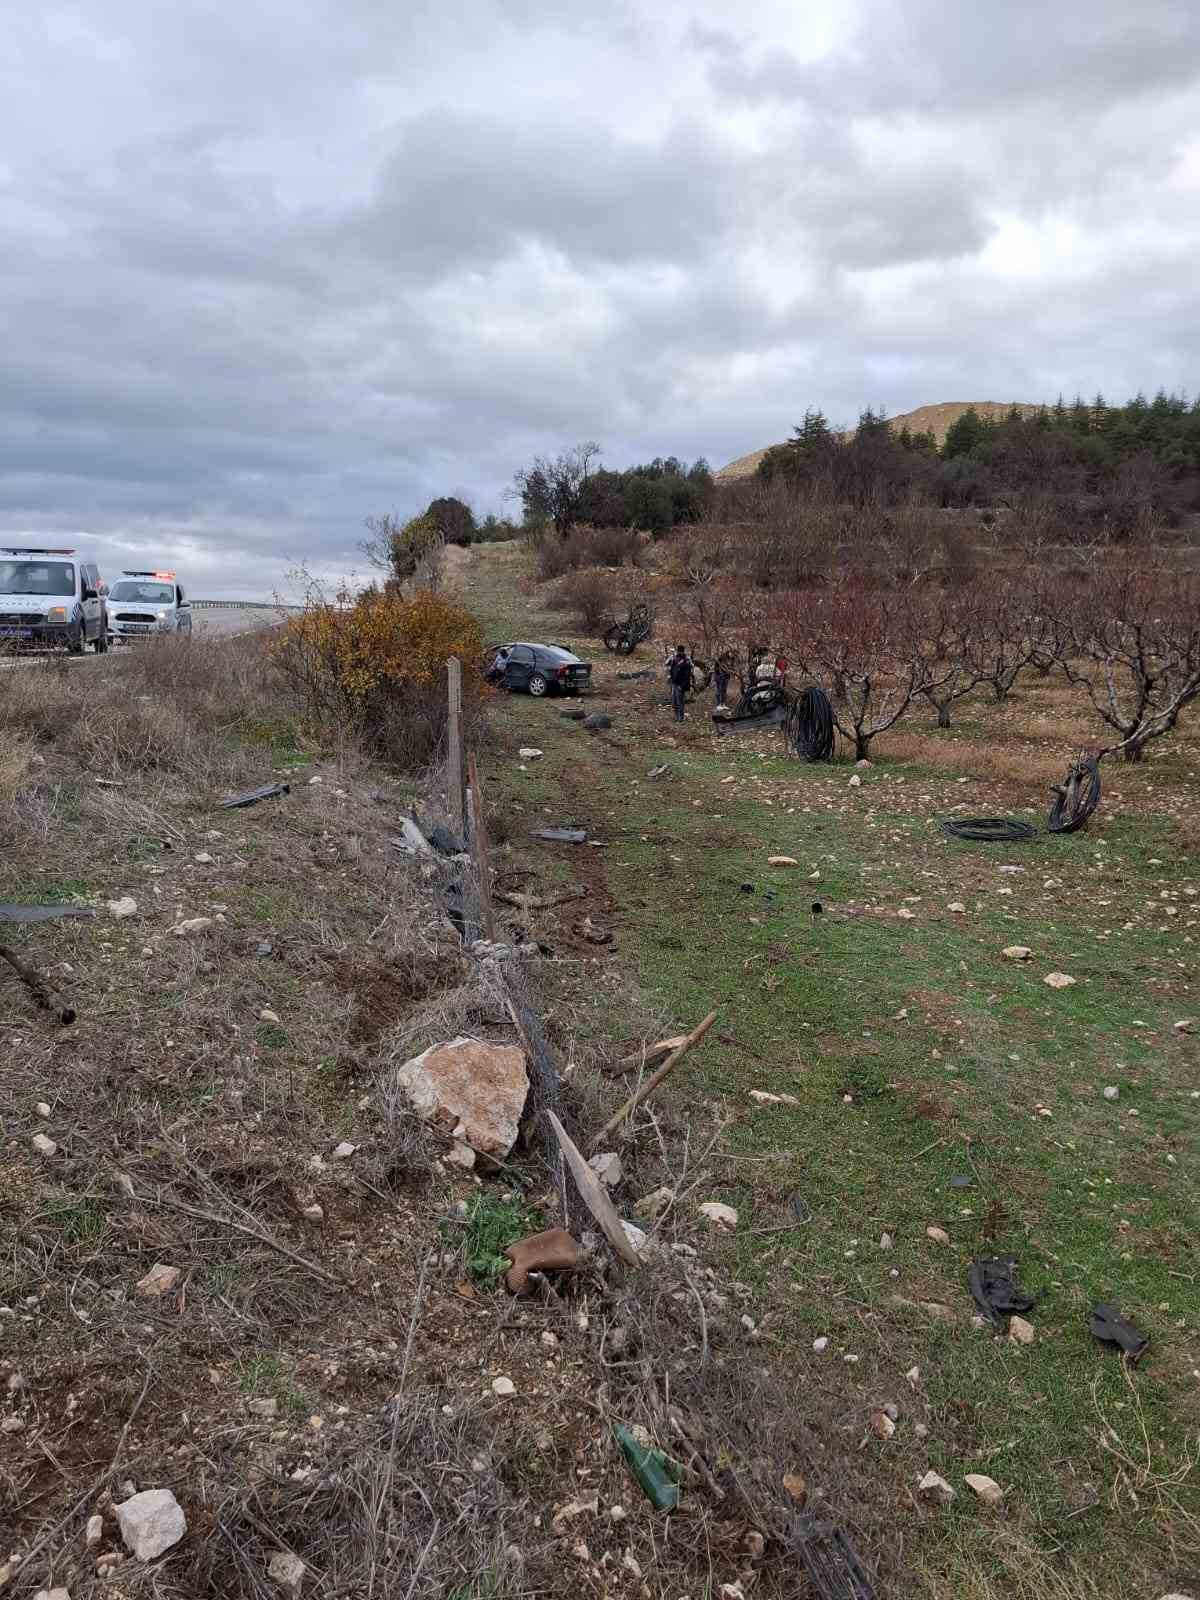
<point x="722" y="670"/>
<point x="680" y="672"/>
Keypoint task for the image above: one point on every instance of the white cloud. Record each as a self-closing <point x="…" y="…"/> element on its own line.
<point x="266" y="271"/>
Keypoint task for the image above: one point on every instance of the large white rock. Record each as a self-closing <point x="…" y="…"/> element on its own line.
<point x="126" y="906"/>
<point x="482" y="1086"/>
<point x="151" y="1522"/>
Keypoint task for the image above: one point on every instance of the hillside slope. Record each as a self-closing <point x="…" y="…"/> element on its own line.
<point x="935" y="419"/>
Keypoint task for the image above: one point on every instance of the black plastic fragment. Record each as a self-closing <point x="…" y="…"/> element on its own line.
<point x="1107" y="1324"/>
<point x="747" y="888"/>
<point x="443" y="840"/>
<point x="48" y="913"/>
<point x="597" y="722"/>
<point x="830" y="1560"/>
<point x="995" y="1289"/>
<point x="563" y="835"/>
<point x="235" y="802"/>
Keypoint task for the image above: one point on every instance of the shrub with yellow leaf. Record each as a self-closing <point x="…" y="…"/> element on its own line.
<point x="378" y="668"/>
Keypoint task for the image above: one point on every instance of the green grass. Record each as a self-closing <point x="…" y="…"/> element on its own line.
<point x="267" y="1376"/>
<point x="494" y="1221"/>
<point x="920" y="1057"/>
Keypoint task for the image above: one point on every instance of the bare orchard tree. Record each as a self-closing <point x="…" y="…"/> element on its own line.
<point x="1135" y="649"/>
<point x="1000" y="643"/>
<point x="409" y="552"/>
<point x="551" y="490"/>
<point x="857" y="641"/>
<point x="938" y="642"/>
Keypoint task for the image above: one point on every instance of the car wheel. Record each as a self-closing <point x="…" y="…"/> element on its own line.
<point x="538" y="685"/>
<point x="76" y="646"/>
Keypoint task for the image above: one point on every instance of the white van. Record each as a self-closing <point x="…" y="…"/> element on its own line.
<point x="142" y="603"/>
<point x="48" y="598"/>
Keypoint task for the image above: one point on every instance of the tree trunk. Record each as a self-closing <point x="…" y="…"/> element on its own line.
<point x="1135" y="751"/>
<point x="943" y="711"/>
<point x="862" y="745"/>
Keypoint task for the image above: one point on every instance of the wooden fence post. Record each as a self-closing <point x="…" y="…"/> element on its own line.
<point x="479" y="853"/>
<point x="454" y="746"/>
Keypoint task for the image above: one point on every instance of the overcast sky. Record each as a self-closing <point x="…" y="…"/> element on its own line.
<point x="267" y="269"/>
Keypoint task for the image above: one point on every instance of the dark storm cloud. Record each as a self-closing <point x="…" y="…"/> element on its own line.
<point x="266" y="271"/>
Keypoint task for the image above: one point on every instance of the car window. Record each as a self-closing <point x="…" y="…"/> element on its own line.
<point x="142" y="592"/>
<point x="557" y="654"/>
<point x="37" y="577"/>
<point x="521" y="652"/>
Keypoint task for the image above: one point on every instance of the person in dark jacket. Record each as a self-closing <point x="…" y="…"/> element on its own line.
<point x="680" y="671"/>
<point x="722" y="672"/>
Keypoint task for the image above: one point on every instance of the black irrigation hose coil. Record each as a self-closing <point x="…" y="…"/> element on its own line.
<point x="1076" y="797"/>
<point x="810" y="725"/>
<point x="992" y="830"/>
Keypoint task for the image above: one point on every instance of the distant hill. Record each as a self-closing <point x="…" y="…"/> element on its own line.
<point x="925" y="419"/>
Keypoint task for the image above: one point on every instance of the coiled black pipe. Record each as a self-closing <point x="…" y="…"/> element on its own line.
<point x="1076" y="797"/>
<point x="809" y="726"/>
<point x="1006" y="830"/>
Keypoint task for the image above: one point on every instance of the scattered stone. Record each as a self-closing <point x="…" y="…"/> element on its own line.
<point x="905" y="914"/>
<point x="765" y="1098"/>
<point x="796" y="1487"/>
<point x="1184" y="1025"/>
<point x="1059" y="980"/>
<point x="151" y="1522"/>
<point x="1020" y="1331"/>
<point x="549" y="1340"/>
<point x="653" y="1204"/>
<point x="267" y="1015"/>
<point x="957" y="907"/>
<point x="461" y="1155"/>
<point x="782" y="861"/>
<point x="94" y="1531"/>
<point x="938" y="1235"/>
<point x="203" y="859"/>
<point x="42" y="1108"/>
<point x="885" y="1241"/>
<point x="483" y="1086"/>
<point x="721" y="1216"/>
<point x="1016" y="952"/>
<point x="607" y="1167"/>
<point x="934" y="1490"/>
<point x="264" y="1408"/>
<point x="126" y="906"/>
<point x="503" y="1387"/>
<point x="287" y="1570"/>
<point x="192" y="925"/>
<point x="160" y="1280"/>
<point x="820" y="1345"/>
<point x="44" y="1146"/>
<point x="914" y="1376"/>
<point x="639" y="1241"/>
<point x="528" y="753"/>
<point x="935" y="1309"/>
<point x="313" y="1213"/>
<point x="588" y="1506"/>
<point x="882" y="1425"/>
<point x="58" y="1593"/>
<point x="1112" y="1092"/>
<point x="985" y="1488"/>
<point x="855" y="781"/>
<point x="343" y="1151"/>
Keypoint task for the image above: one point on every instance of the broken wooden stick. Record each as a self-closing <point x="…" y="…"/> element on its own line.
<point x="652" y="1083"/>
<point x="651" y="1055"/>
<point x="44" y="996"/>
<point x="594" y="1195"/>
<point x="479" y="851"/>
